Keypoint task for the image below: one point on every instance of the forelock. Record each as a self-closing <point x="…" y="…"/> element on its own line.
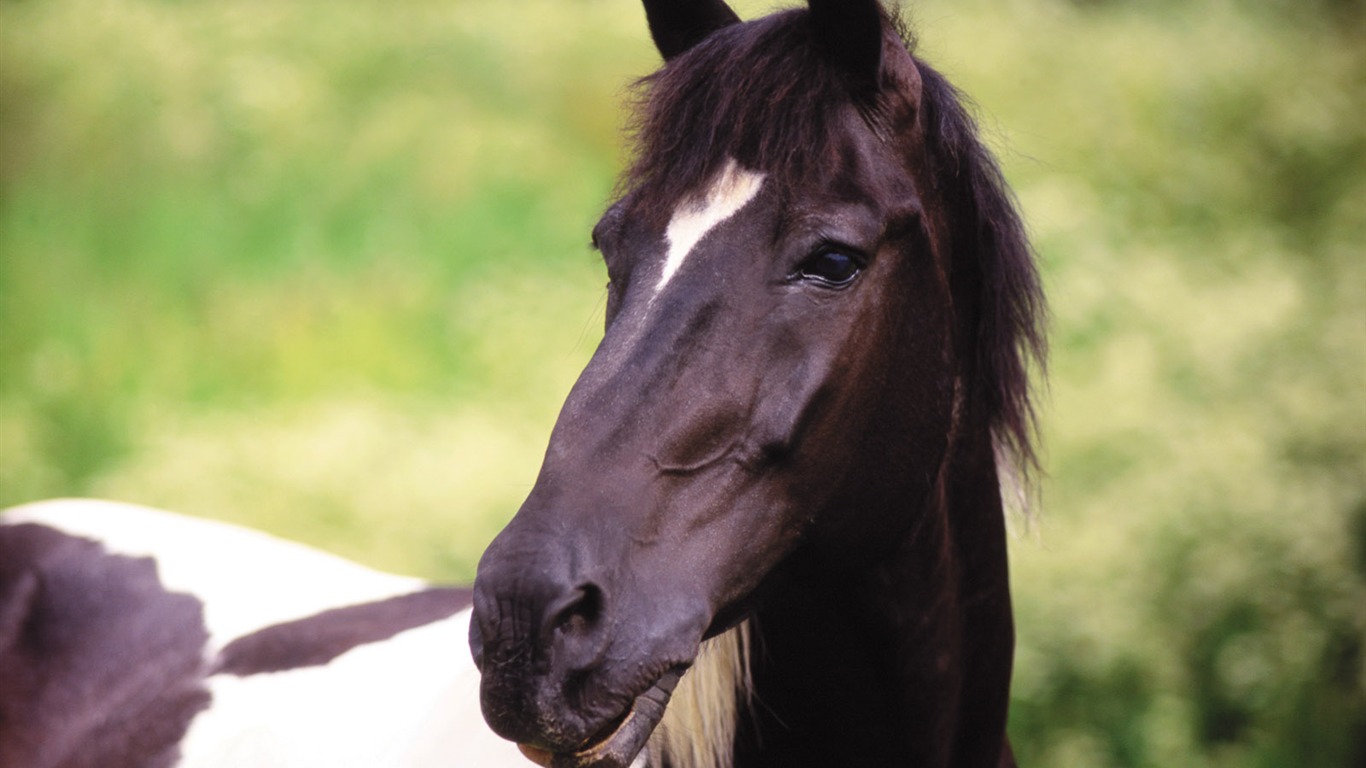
<point x="759" y="92"/>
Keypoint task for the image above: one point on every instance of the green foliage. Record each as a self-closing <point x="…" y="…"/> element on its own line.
<point x="323" y="270"/>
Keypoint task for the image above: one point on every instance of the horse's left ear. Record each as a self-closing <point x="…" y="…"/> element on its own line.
<point x="850" y="33"/>
<point x="677" y="25"/>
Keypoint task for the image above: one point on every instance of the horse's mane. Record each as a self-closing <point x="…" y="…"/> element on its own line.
<point x="763" y="93"/>
<point x="1004" y="331"/>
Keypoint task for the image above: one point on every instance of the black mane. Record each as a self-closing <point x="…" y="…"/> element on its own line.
<point x="995" y="276"/>
<point x="763" y="93"/>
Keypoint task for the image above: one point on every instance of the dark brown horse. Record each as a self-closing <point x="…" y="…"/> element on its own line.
<point x="819" y="322"/>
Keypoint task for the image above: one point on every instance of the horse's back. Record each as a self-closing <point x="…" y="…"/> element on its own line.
<point x="246" y="579"/>
<point x="131" y="636"/>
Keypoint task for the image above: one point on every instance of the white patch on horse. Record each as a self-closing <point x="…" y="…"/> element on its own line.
<point x="698" y="729"/>
<point x="411" y="700"/>
<point x="695" y="217"/>
<point x="219" y="563"/>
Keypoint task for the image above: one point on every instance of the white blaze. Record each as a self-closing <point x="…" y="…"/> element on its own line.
<point x="695" y="217"/>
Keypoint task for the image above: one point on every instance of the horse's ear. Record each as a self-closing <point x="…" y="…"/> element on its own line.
<point x="850" y="33"/>
<point x="677" y="25"/>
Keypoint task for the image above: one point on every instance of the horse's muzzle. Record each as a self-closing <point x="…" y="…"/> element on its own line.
<point x="578" y="663"/>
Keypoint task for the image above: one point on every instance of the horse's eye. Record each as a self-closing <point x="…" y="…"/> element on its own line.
<point x="830" y="267"/>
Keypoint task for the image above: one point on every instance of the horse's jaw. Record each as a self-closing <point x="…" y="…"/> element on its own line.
<point x="622" y="742"/>
<point x="699" y="724"/>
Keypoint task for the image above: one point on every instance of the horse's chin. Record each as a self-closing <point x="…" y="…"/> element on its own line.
<point x="620" y="743"/>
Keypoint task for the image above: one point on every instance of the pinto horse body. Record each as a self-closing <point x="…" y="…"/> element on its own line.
<point x="768" y="529"/>
<point x="135" y="637"/>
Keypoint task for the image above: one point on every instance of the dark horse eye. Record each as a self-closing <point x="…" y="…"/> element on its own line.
<point x="830" y="267"/>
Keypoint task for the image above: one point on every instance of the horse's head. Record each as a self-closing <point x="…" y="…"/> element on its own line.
<point x="780" y="379"/>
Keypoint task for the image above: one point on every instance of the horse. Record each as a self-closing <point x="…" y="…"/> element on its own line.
<point x="768" y="528"/>
<point x="133" y="638"/>
<point x="821" y="316"/>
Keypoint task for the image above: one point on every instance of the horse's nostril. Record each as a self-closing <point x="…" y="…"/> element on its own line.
<point x="581" y="612"/>
<point x="576" y="628"/>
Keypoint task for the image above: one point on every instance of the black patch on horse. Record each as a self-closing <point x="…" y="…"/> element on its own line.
<point x="318" y="639"/>
<point x="99" y="665"/>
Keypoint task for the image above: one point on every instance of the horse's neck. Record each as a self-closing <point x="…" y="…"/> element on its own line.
<point x="901" y="663"/>
<point x="986" y="640"/>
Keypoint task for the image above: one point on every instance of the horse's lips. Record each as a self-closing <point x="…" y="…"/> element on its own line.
<point x="619" y="748"/>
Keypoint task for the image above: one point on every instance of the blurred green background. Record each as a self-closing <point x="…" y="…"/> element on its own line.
<point x="322" y="268"/>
